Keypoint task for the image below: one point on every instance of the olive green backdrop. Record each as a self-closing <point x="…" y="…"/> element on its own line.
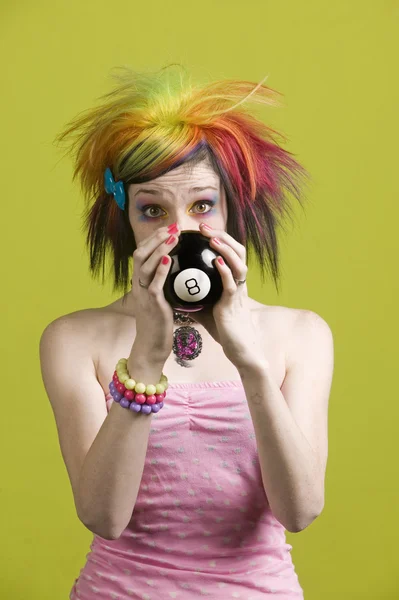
<point x="336" y="64"/>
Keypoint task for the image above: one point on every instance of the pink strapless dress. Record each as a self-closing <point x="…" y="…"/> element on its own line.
<point x="201" y="525"/>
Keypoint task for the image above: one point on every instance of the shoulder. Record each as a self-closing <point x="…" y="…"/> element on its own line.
<point x="80" y="325"/>
<point x="297" y="329"/>
<point x="277" y="319"/>
<point x="295" y="322"/>
<point x="92" y="329"/>
<point x="78" y="318"/>
<point x="309" y="323"/>
<point x="310" y="337"/>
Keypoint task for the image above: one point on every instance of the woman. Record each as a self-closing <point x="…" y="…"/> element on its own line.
<point x="187" y="477"/>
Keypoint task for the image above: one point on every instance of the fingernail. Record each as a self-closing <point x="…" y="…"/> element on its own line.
<point x="172" y="228"/>
<point x="216" y="241"/>
<point x="220" y="260"/>
<point x="204" y="226"/>
<point x="170" y="240"/>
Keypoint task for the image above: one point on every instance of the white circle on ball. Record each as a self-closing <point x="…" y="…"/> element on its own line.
<point x="192" y="285"/>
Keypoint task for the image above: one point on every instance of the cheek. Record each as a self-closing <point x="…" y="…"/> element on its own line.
<point x="218" y="221"/>
<point x="210" y="215"/>
<point x="143" y="227"/>
<point x="145" y="219"/>
<point x="137" y="229"/>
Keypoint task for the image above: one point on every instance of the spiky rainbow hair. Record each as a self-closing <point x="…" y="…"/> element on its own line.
<point x="151" y="123"/>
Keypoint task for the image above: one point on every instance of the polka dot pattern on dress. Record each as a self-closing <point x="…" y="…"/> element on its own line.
<point x="201" y="525"/>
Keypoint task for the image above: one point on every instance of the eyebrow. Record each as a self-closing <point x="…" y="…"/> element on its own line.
<point x="159" y="192"/>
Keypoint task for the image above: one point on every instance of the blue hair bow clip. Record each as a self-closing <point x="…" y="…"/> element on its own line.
<point x="115" y="188"/>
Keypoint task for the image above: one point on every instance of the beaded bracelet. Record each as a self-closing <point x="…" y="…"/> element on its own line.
<point x="136" y="396"/>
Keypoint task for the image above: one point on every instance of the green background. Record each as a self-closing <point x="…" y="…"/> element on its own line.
<point x="336" y="64"/>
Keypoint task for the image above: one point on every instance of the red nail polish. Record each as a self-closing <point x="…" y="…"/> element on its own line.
<point x="204" y="226"/>
<point x="220" y="260"/>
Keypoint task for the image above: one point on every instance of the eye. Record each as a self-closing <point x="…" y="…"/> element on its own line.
<point x="154" y="207"/>
<point x="151" y="210"/>
<point x="205" y="203"/>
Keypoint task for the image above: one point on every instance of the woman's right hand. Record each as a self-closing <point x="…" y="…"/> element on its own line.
<point x="154" y="316"/>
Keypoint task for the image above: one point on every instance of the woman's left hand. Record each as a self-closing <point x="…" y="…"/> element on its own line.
<point x="229" y="321"/>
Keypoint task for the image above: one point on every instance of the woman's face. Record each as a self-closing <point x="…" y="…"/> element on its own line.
<point x="170" y="198"/>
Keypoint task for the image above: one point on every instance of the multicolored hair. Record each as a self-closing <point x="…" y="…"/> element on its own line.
<point x="151" y="123"/>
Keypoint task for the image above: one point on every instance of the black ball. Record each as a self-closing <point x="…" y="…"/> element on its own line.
<point x="193" y="281"/>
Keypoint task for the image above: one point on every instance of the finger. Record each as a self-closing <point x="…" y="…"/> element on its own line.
<point x="229" y="285"/>
<point x="161" y="273"/>
<point x="236" y="264"/>
<point x="148" y="268"/>
<point x="158" y="232"/>
<point x="223" y="236"/>
<point x="149" y="244"/>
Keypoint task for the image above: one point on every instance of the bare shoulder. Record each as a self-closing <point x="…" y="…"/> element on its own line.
<point x="275" y="318"/>
<point x="310" y="337"/>
<point x="291" y="320"/>
<point x="92" y="316"/>
<point x="287" y="322"/>
<point x="296" y="328"/>
<point x="104" y="331"/>
<point x="307" y="323"/>
<point x="108" y="333"/>
<point x="79" y="320"/>
<point x="86" y="326"/>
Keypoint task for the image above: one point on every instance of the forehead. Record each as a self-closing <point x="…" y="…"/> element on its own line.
<point x="183" y="177"/>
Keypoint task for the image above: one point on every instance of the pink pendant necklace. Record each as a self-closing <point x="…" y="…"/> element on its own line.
<point x="187" y="341"/>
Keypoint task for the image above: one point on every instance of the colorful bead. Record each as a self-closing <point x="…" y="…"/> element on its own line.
<point x="150" y="389"/>
<point x="130" y="384"/>
<point x="135" y="407"/>
<point x="140" y="398"/>
<point x="137" y="396"/>
<point x="159" y="388"/>
<point x="140" y="388"/>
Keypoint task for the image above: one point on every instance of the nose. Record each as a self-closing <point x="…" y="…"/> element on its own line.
<point x="190" y="227"/>
<point x="186" y="225"/>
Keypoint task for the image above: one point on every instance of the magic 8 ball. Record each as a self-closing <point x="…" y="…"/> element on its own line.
<point x="193" y="281"/>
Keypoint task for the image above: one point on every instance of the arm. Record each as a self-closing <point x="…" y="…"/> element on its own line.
<point x="111" y="474"/>
<point x="291" y="424"/>
<point x="103" y="454"/>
